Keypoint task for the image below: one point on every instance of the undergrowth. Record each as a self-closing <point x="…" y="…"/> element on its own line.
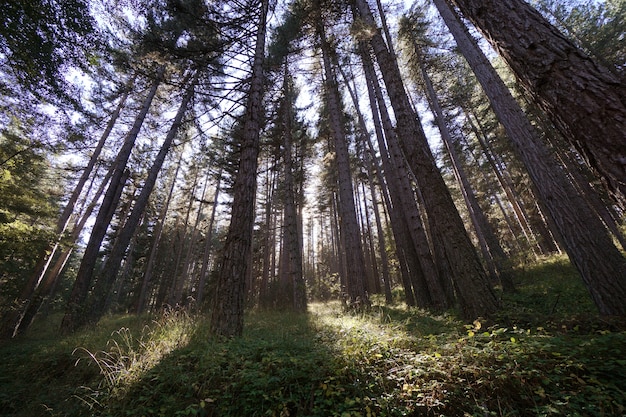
<point x="546" y="353"/>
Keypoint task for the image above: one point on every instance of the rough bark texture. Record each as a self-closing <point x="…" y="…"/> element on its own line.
<point x="583" y="236"/>
<point x="475" y="295"/>
<point x="228" y="307"/>
<point x="585" y="101"/>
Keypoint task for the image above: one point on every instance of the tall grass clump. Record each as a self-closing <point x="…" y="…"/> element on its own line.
<point x="128" y="356"/>
<point x="546" y="353"/>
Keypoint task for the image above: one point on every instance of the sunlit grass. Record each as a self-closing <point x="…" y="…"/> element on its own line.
<point x="128" y="356"/>
<point x="534" y="358"/>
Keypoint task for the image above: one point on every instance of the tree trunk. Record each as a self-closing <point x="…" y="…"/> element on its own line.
<point x="10" y="325"/>
<point x="228" y="308"/>
<point x="475" y="295"/>
<point x="493" y="253"/>
<point x="114" y="259"/>
<point x="411" y="254"/>
<point x="584" y="237"/>
<point x="208" y="244"/>
<point x="584" y="100"/>
<point x="74" y="315"/>
<point x="158" y="232"/>
<point x="290" y="227"/>
<point x="355" y="261"/>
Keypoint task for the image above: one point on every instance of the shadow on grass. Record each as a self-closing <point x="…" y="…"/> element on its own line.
<point x="38" y="376"/>
<point x="279" y="367"/>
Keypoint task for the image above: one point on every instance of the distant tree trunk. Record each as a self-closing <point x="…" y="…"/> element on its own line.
<point x="507" y="186"/>
<point x="290" y="226"/>
<point x="12" y="322"/>
<point x="372" y="167"/>
<point x="412" y="275"/>
<point x="475" y="295"/>
<point x="228" y="308"/>
<point x="493" y="253"/>
<point x="175" y="297"/>
<point x="190" y="262"/>
<point x="584" y="237"/>
<point x="355" y="260"/>
<point x="494" y="194"/>
<point x="113" y="262"/>
<point x="374" y="286"/>
<point x="268" y="241"/>
<point x="208" y="244"/>
<point x="158" y="232"/>
<point x="584" y="100"/>
<point x="74" y="315"/>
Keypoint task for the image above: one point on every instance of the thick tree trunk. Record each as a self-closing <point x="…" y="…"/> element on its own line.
<point x="585" y="101"/>
<point x="228" y="308"/>
<point x="584" y="237"/>
<point x="475" y="295"/>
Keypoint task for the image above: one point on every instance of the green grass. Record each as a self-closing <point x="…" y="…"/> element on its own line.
<point x="546" y="353"/>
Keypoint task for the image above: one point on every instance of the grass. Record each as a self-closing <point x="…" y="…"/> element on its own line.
<point x="546" y="353"/>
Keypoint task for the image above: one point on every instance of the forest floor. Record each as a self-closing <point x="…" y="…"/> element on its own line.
<point x="546" y="353"/>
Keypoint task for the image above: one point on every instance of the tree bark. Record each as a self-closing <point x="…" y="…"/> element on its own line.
<point x="584" y="237"/>
<point x="290" y="226"/>
<point x="114" y="259"/>
<point x="74" y="315"/>
<point x="493" y="254"/>
<point x="228" y="308"/>
<point x="158" y="233"/>
<point x="475" y="295"/>
<point x="355" y="260"/>
<point x="584" y="100"/>
<point x="11" y="323"/>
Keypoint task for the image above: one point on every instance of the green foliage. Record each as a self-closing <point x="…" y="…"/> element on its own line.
<point x="41" y="39"/>
<point x="538" y="359"/>
<point x="27" y="209"/>
<point x="596" y="27"/>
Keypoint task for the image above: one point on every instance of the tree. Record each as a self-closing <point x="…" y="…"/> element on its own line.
<point x="350" y="232"/>
<point x="75" y="315"/>
<point x="28" y="204"/>
<point x="493" y="254"/>
<point x="228" y="307"/>
<point x="584" y="100"/>
<point x="113" y="262"/>
<point x="583" y="235"/>
<point x="473" y="291"/>
<point x="39" y="40"/>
